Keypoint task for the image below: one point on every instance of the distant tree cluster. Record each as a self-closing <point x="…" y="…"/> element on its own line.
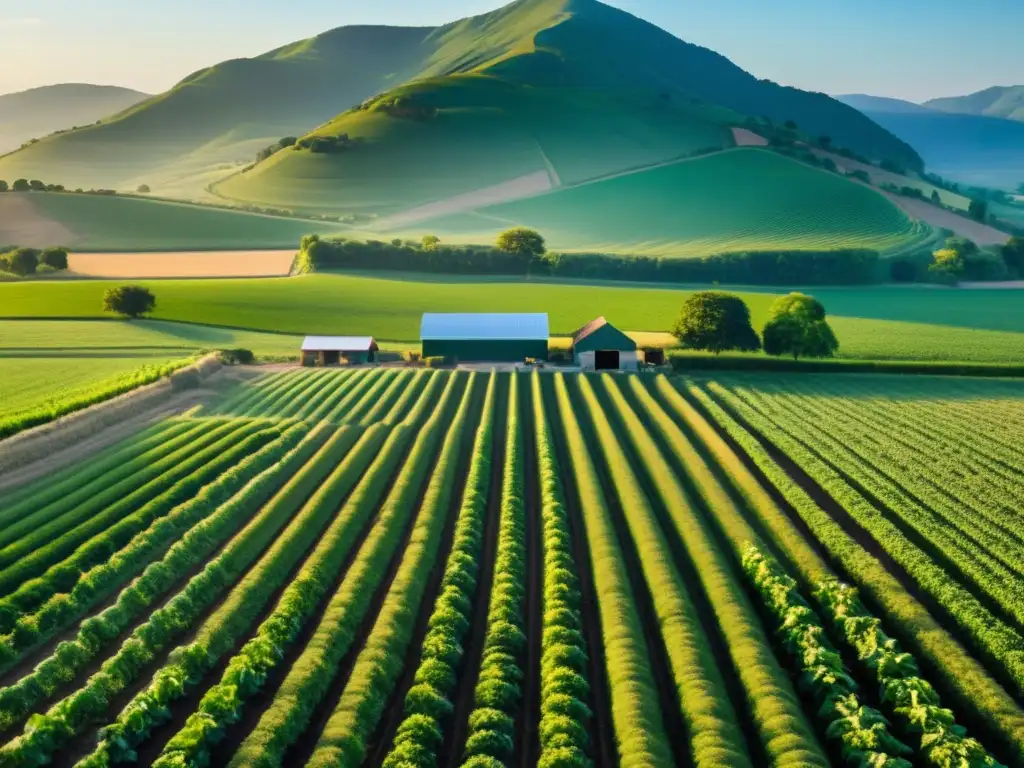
<point x="326" y="145"/>
<point x="35" y="185"/>
<point x="717" y="322"/>
<point x="273" y="149"/>
<point x="31" y="261"/>
<point x="962" y="259"/>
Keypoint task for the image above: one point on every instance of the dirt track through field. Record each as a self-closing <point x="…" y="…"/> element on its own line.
<point x="524" y="186"/>
<point x="21" y="223"/>
<point x="745" y="138"/>
<point x="182" y="264"/>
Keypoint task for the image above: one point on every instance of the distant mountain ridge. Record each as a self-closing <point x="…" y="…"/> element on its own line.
<point x="972" y="149"/>
<point x="1006" y="102"/>
<point x="38" y="112"/>
<point x="226" y="113"/>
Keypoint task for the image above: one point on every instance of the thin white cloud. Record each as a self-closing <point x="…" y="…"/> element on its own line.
<point x="17" y="23"/>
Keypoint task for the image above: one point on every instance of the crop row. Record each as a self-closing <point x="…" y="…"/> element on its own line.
<point x="1001" y="641"/>
<point x="146" y="476"/>
<point x="497" y="696"/>
<point x="248" y="669"/>
<point x="57" y="612"/>
<point x="83" y="398"/>
<point x="46" y="733"/>
<point x="963" y="678"/>
<point x="962" y="538"/>
<point x="274" y="463"/>
<point x="428" y="703"/>
<point x="57" y="570"/>
<point x="22" y="511"/>
<point x="640" y="733"/>
<point x="313" y="673"/>
<point x="564" y="715"/>
<point x="783" y="729"/>
<point x="370" y="685"/>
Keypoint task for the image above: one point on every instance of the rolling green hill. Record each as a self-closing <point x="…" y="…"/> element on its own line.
<point x="745" y="199"/>
<point x="39" y="112"/>
<point x="623" y="74"/>
<point x="972" y="149"/>
<point x="1001" y="101"/>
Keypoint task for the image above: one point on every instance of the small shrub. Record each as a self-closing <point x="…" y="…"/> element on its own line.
<point x="237" y="357"/>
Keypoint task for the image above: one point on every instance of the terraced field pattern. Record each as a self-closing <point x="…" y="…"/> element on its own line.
<point x="401" y="568"/>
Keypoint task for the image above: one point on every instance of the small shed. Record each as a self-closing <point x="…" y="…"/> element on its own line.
<point x="331" y="350"/>
<point x="600" y="346"/>
<point x="485" y="337"/>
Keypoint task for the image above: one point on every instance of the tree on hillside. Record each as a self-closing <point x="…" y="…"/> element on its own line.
<point x="21" y="185"/>
<point x="37" y="186"/>
<point x="978" y="210"/>
<point x="131" y="301"/>
<point x="23" y="261"/>
<point x="143" y="189"/>
<point x="797" y="326"/>
<point x="3" y="186"/>
<point x="936" y="197"/>
<point x="525" y="243"/>
<point x="430" y="242"/>
<point x="57" y="258"/>
<point x="716" y="322"/>
<point x="947" y="266"/>
<point x="1013" y="255"/>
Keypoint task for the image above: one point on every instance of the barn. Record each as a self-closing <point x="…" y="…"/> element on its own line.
<point x="599" y="345"/>
<point x="485" y="337"/>
<point x="331" y="350"/>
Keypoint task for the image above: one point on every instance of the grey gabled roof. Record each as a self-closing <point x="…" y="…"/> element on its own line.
<point x="485" y="326"/>
<point x="338" y="344"/>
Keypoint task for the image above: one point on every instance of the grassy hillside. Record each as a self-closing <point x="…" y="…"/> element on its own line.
<point x="881" y="323"/>
<point x="102" y="223"/>
<point x="224" y="114"/>
<point x="971" y="149"/>
<point x="1001" y="101"/>
<point x="533" y="52"/>
<point x="39" y="112"/>
<point x="746" y="199"/>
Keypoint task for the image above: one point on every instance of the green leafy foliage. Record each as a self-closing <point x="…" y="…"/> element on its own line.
<point x="797" y="326"/>
<point x="716" y="322"/>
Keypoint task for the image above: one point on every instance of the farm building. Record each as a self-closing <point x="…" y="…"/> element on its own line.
<point x="331" y="350"/>
<point x="484" y="337"/>
<point x="601" y="346"/>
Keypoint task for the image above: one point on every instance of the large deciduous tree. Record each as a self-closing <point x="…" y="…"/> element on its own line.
<point x="1013" y="255"/>
<point x="716" y="322"/>
<point x="526" y="243"/>
<point x="129" y="300"/>
<point x="797" y="326"/>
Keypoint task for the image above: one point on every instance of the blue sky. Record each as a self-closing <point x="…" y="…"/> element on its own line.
<point x="913" y="49"/>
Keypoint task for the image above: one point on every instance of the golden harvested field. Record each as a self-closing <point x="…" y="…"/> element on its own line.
<point x="183" y="264"/>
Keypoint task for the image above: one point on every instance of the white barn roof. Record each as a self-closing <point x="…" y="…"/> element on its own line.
<point x="485" y="327"/>
<point x="338" y="344"/>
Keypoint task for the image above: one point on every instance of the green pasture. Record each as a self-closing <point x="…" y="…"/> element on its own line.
<point x="107" y="223"/>
<point x="872" y="323"/>
<point x="747" y="199"/>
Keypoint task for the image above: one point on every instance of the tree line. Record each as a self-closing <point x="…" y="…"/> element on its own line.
<point x="524" y="252"/>
<point x="32" y="261"/>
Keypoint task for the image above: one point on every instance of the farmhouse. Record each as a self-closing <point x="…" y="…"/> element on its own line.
<point x="599" y="345"/>
<point x="494" y="337"/>
<point x="331" y="350"/>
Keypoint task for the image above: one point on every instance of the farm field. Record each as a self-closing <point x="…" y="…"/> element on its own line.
<point x="104" y="223"/>
<point x="871" y="322"/>
<point x="189" y="264"/>
<point x="746" y="199"/>
<point x="411" y="567"/>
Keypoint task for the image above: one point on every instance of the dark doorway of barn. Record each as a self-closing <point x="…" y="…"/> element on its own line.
<point x="606" y="359"/>
<point x="332" y="358"/>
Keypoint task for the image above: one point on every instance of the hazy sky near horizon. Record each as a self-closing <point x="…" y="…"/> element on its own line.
<point x="911" y="49"/>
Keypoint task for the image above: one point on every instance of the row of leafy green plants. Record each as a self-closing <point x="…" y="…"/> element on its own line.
<point x="993" y="637"/>
<point x="428" y="705"/>
<point x="313" y="674"/>
<point x="862" y="734"/>
<point x="80" y="399"/>
<point x="970" y="686"/>
<point x="360" y="480"/>
<point x="45" y="734"/>
<point x="712" y="717"/>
